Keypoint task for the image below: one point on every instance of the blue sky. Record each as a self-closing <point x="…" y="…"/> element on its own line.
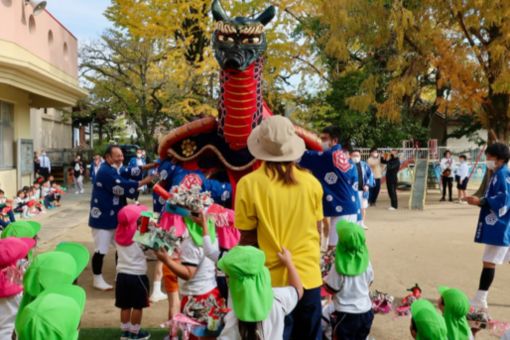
<point x="84" y="18"/>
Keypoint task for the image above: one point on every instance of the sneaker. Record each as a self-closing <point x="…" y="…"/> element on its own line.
<point x="82" y="191"/>
<point x="392" y="209"/>
<point x="77" y="192"/>
<point x="142" y="335"/>
<point x="125" y="335"/>
<point x="100" y="283"/>
<point x="158" y="296"/>
<point x="442" y="200"/>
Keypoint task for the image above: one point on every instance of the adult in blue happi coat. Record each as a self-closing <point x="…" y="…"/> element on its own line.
<point x="339" y="180"/>
<point x="113" y="185"/>
<point x="493" y="227"/>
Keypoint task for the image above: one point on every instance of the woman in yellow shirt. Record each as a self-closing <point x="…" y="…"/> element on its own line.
<point x="280" y="206"/>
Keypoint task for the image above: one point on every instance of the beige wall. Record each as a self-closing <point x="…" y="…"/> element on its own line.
<point x="50" y="130"/>
<point x="18" y="25"/>
<point x="20" y="100"/>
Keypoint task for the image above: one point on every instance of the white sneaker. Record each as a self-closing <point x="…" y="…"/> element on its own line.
<point x="82" y="191"/>
<point x="365" y="227"/>
<point x="76" y="192"/>
<point x="391" y="209"/>
<point x="100" y="283"/>
<point x="158" y="296"/>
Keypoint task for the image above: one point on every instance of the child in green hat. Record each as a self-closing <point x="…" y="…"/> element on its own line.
<point x="259" y="311"/>
<point x="426" y="323"/>
<point x="455" y="306"/>
<point x="349" y="281"/>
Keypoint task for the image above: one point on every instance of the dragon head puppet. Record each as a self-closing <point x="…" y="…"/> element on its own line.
<point x="238" y="42"/>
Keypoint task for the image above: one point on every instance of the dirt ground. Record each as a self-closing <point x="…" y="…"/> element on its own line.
<point x="431" y="247"/>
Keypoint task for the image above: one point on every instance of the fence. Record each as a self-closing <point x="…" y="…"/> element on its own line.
<point x="408" y="155"/>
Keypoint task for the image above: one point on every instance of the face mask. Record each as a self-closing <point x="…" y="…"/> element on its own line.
<point x="139" y="155"/>
<point x="375" y="155"/>
<point x="356" y="159"/>
<point x="325" y="146"/>
<point x="491" y="165"/>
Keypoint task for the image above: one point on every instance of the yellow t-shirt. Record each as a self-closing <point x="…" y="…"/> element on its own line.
<point x="284" y="216"/>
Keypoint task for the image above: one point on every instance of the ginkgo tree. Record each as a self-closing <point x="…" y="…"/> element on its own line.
<point x="460" y="48"/>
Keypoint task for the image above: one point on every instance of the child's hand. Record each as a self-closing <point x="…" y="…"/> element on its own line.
<point x="161" y="254"/>
<point x="201" y="220"/>
<point x="285" y="256"/>
<point x="473" y="200"/>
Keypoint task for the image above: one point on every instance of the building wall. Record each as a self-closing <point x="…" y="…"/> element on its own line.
<point x="20" y="100"/>
<point x="42" y="35"/>
<point x="50" y="129"/>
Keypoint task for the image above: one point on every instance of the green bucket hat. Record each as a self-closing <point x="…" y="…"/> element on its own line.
<point x="52" y="316"/>
<point x="197" y="233"/>
<point x="456" y="308"/>
<point x="249" y="283"/>
<point x="77" y="293"/>
<point x="28" y="229"/>
<point x="78" y="251"/>
<point x="47" y="270"/>
<point x="351" y="250"/>
<point x="429" y="323"/>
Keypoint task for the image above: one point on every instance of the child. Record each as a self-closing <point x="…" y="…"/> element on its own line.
<point x="349" y="281"/>
<point x="228" y="237"/>
<point x="12" y="251"/>
<point x="21" y="204"/>
<point x="462" y="177"/>
<point x="6" y="213"/>
<point x="455" y="306"/>
<point x="259" y="311"/>
<point x="426" y="323"/>
<point x="132" y="284"/>
<point x="196" y="273"/>
<point x="33" y="202"/>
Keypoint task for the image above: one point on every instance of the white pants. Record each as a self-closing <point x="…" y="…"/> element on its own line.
<point x="78" y="183"/>
<point x="496" y="254"/>
<point x="333" y="236"/>
<point x="102" y="240"/>
<point x="8" y="310"/>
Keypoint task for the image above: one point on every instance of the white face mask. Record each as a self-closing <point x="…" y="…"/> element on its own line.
<point x="375" y="155"/>
<point x="139" y="155"/>
<point x="325" y="146"/>
<point x="491" y="165"/>
<point x="356" y="159"/>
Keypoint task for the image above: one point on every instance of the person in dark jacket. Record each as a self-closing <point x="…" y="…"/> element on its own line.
<point x="392" y="167"/>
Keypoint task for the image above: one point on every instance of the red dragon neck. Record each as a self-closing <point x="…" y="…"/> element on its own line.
<point x="241" y="104"/>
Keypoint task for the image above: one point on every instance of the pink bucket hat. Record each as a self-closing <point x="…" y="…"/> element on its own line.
<point x="127" y="223"/>
<point x="12" y="249"/>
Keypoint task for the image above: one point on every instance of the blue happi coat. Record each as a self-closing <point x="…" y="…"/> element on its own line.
<point x="493" y="223"/>
<point x="339" y="179"/>
<point x="111" y="189"/>
<point x="171" y="175"/>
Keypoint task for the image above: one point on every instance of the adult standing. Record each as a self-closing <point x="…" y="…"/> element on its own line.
<point x="339" y="180"/>
<point x="109" y="194"/>
<point x="279" y="206"/>
<point x="94" y="167"/>
<point x="44" y="165"/>
<point x="374" y="161"/>
<point x="138" y="161"/>
<point x="78" y="170"/>
<point x="493" y="227"/>
<point x="447" y="175"/>
<point x="392" y="162"/>
<point x="37" y="163"/>
<point x="365" y="182"/>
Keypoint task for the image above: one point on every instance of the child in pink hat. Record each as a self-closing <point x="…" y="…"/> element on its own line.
<point x="12" y="250"/>
<point x="132" y="284"/>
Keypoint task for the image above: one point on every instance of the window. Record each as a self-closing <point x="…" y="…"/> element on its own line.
<point x="50" y="37"/>
<point x="6" y="135"/>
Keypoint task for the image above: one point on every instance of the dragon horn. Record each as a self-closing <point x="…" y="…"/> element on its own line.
<point x="265" y="17"/>
<point x="218" y="11"/>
